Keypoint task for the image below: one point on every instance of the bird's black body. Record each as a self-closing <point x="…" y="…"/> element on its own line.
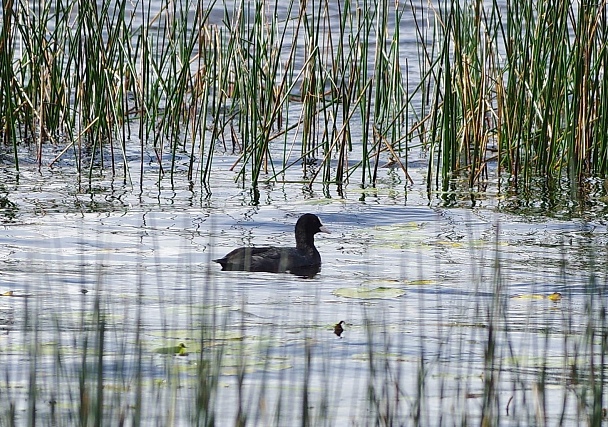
<point x="302" y="258"/>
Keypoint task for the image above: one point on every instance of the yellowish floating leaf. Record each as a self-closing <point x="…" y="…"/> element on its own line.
<point x="323" y="201"/>
<point x="388" y="282"/>
<point x="450" y="243"/>
<point x="399" y="236"/>
<point x="179" y="350"/>
<point x="389" y="245"/>
<point x="529" y="296"/>
<point x="396" y="282"/>
<point x="555" y="296"/>
<point x="421" y="282"/>
<point x="396" y="228"/>
<point x="396" y="231"/>
<point x="15" y="294"/>
<point x="369" y="293"/>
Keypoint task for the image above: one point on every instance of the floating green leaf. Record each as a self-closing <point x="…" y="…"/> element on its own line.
<point x="421" y="282"/>
<point x="179" y="350"/>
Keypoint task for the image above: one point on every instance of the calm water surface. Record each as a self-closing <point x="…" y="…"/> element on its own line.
<point x="440" y="279"/>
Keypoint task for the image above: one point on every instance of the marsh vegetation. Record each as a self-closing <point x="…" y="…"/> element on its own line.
<point x="489" y="90"/>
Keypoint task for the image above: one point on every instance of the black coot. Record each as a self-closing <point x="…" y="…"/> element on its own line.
<point x="303" y="258"/>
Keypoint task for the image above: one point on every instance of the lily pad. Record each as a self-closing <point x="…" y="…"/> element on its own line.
<point x="555" y="296"/>
<point x="179" y="350"/>
<point x="421" y="282"/>
<point x="379" y="282"/>
<point x="380" y="292"/>
<point x="14" y="294"/>
<point x="449" y="243"/>
<point x="399" y="236"/>
<point x="528" y="296"/>
<point x="396" y="282"/>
